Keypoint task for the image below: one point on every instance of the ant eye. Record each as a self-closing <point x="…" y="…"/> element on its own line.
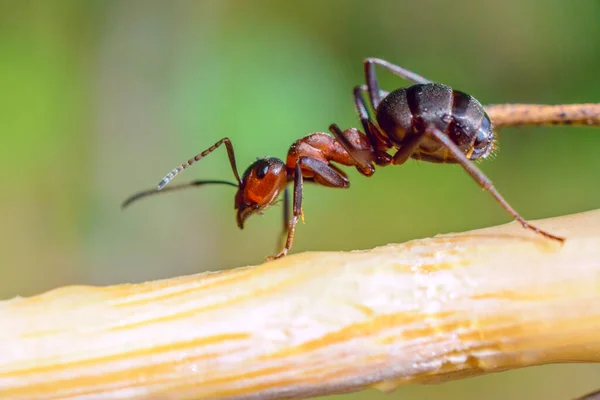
<point x="261" y="169"/>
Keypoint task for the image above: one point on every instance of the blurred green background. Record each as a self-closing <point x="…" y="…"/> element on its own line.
<point x="100" y="99"/>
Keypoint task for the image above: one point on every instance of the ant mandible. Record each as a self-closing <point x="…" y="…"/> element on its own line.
<point x="426" y="121"/>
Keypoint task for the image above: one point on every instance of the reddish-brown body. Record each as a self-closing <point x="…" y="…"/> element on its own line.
<point x="426" y="121"/>
<point x="327" y="149"/>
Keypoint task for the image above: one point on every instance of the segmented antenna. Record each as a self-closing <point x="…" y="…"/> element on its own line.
<point x="192" y="160"/>
<point x="175" y="171"/>
<point x="180" y="168"/>
<point x="171" y="188"/>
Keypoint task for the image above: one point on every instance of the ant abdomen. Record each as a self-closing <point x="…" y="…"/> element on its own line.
<point x="407" y="112"/>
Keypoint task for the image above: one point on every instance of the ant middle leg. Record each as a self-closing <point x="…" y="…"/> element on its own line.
<point x="483" y="180"/>
<point x="364" y="157"/>
<point x="371" y="77"/>
<point x="379" y="141"/>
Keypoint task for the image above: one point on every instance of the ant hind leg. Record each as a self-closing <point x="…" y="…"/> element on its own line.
<point x="371" y="77"/>
<point x="483" y="180"/>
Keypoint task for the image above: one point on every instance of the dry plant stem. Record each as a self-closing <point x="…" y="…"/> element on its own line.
<point x="537" y="114"/>
<point x="317" y="323"/>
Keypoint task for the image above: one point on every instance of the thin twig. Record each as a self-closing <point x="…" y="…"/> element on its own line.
<point x="542" y="114"/>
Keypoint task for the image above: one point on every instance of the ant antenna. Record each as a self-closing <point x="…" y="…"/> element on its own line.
<point x="146" y="193"/>
<point x="198" y="157"/>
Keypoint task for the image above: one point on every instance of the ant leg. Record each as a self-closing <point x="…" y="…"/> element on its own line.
<point x="407" y="149"/>
<point x="538" y="114"/>
<point x="371" y="78"/>
<point x="286" y="218"/>
<point x="361" y="107"/>
<point x="483" y="180"/>
<point x="325" y="174"/>
<point x="363" y="157"/>
<point x="206" y="152"/>
<point x="379" y="141"/>
<point x="291" y="228"/>
<point x="322" y="170"/>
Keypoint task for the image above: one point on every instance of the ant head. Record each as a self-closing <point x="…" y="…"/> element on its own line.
<point x="484" y="141"/>
<point x="260" y="185"/>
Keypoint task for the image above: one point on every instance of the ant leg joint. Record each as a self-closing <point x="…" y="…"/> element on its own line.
<point x="373" y="60"/>
<point x="487" y="186"/>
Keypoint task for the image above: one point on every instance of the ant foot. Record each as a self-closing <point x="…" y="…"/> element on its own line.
<point x="278" y="256"/>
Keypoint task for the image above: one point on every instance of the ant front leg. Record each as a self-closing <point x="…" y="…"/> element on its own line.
<point x="483" y="180"/>
<point x="286" y="218"/>
<point x="291" y="228"/>
<point x="326" y="174"/>
<point x="371" y="77"/>
<point x="363" y="157"/>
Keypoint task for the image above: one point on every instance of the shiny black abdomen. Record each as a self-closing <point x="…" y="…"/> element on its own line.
<point x="408" y="111"/>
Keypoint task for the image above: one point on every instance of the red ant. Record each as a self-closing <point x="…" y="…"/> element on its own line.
<point x="426" y="121"/>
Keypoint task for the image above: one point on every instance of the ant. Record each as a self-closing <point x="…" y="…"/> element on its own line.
<point x="427" y="121"/>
